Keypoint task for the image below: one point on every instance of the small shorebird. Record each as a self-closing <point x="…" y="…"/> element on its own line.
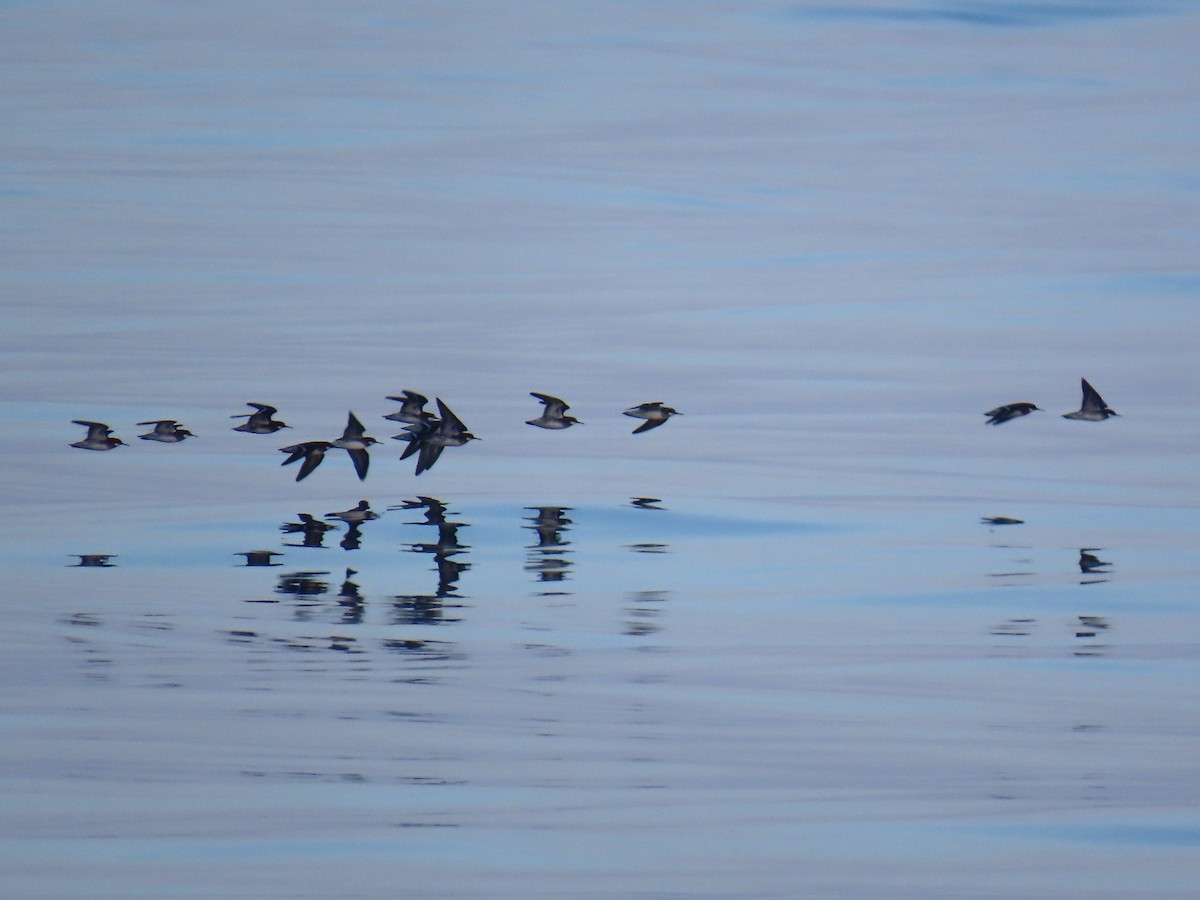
<point x="99" y="436"/>
<point x="412" y="408"/>
<point x="1009" y="411"/>
<point x="166" y="431"/>
<point x="553" y="415"/>
<point x="429" y="438"/>
<point x="1093" y="409"/>
<point x="259" y="422"/>
<point x="312" y="452"/>
<point x="654" y="414"/>
<point x="355" y="443"/>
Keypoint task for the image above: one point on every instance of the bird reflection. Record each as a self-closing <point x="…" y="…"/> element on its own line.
<point x="94" y="561"/>
<point x="547" y="556"/>
<point x="648" y="547"/>
<point x="644" y="609"/>
<point x="260" y="557"/>
<point x="646" y="502"/>
<point x="1090" y="564"/>
<point x="1001" y="520"/>
<point x="435" y="510"/>
<point x="1087" y="630"/>
<point x="351" y="600"/>
<point x="354" y="519"/>
<point x="430" y="608"/>
<point x="311" y="528"/>
<point x="302" y="585"/>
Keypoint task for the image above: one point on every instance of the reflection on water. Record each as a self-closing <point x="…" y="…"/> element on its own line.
<point x="646" y="502"/>
<point x="1090" y="564"/>
<point x="350" y="599"/>
<point x="643" y="611"/>
<point x="95" y="560"/>
<point x="312" y="529"/>
<point x="430" y="608"/>
<point x="1085" y="628"/>
<point x="548" y="555"/>
<point x="260" y="557"/>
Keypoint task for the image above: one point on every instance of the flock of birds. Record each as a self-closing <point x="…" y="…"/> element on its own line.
<point x="427" y="434"/>
<point x="1092" y="409"/>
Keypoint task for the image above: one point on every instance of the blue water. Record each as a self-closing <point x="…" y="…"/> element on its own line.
<point x="832" y="235"/>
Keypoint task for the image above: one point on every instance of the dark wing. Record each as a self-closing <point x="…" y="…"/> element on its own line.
<point x="311" y="460"/>
<point x="554" y="406"/>
<point x="429" y="455"/>
<point x="451" y="424"/>
<point x="648" y="424"/>
<point x="361" y="462"/>
<point x="354" y="428"/>
<point x="1092" y="401"/>
<point x="96" y="430"/>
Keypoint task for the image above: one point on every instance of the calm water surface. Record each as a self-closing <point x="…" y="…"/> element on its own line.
<point x="831" y="234"/>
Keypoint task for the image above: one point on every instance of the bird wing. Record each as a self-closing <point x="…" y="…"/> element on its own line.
<point x="554" y="406"/>
<point x="361" y="462"/>
<point x="648" y="424"/>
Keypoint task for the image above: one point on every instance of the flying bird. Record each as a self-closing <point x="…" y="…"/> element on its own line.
<point x="260" y="421"/>
<point x="429" y="438"/>
<point x="99" y="436"/>
<point x="553" y="416"/>
<point x="1093" y="408"/>
<point x="654" y="414"/>
<point x="166" y="431"/>
<point x="312" y="452"/>
<point x="355" y="443"/>
<point x="412" y="408"/>
<point x="1009" y="411"/>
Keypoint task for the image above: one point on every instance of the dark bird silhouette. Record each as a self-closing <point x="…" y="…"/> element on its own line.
<point x="99" y="436"/>
<point x="1009" y="411"/>
<point x="312" y="452"/>
<point x="260" y="421"/>
<point x="1093" y="408"/>
<point x="412" y="408"/>
<point x="654" y="413"/>
<point x="553" y="416"/>
<point x="165" y="430"/>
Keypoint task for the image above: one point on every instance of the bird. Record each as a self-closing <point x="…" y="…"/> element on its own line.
<point x="1002" y="414"/>
<point x="355" y="516"/>
<point x="99" y="436"/>
<point x="312" y="452"/>
<point x="259" y="422"/>
<point x="428" y="439"/>
<point x="1093" y="408"/>
<point x="166" y="431"/>
<point x="412" y="408"/>
<point x="654" y="414"/>
<point x="553" y="415"/>
<point x="355" y="443"/>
